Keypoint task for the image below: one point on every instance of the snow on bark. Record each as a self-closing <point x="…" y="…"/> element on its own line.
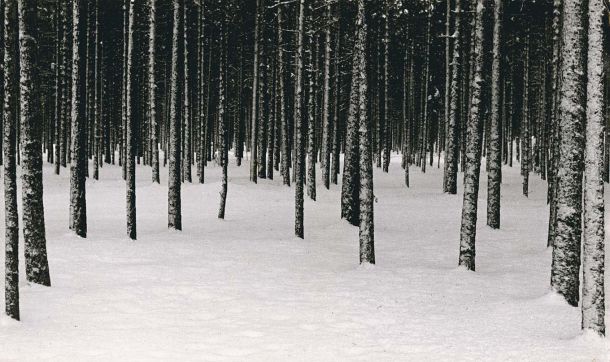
<point x="11" y="215"/>
<point x="593" y="298"/>
<point x="186" y="111"/>
<point x="326" y="136"/>
<point x="285" y="142"/>
<point x="452" y="147"/>
<point x="366" y="232"/>
<point x="222" y="133"/>
<point x="311" y="108"/>
<point x="299" y="164"/>
<point x="572" y="100"/>
<point x="130" y="165"/>
<point x="351" y="178"/>
<point x="36" y="264"/>
<point x="494" y="175"/>
<point x="175" y="121"/>
<point x="254" y="113"/>
<point x="152" y="88"/>
<point x="473" y="151"/>
<point x="78" y="161"/>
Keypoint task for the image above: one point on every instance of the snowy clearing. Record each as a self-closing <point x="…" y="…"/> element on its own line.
<point x="245" y="289"/>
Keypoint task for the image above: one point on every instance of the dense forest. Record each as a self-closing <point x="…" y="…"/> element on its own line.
<point x="313" y="90"/>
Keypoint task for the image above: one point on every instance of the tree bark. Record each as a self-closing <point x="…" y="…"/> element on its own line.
<point x="572" y="101"/>
<point x="593" y="298"/>
<point x="473" y="151"/>
<point x="36" y="263"/>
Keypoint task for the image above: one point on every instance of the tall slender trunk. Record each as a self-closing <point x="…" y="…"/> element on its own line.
<point x="311" y="108"/>
<point x="175" y="121"/>
<point x="453" y="125"/>
<point x="326" y="136"/>
<point x="254" y="114"/>
<point x="222" y="128"/>
<point x="473" y="151"/>
<point x="130" y="166"/>
<point x="285" y="142"/>
<point x="494" y="176"/>
<point x="299" y="121"/>
<point x="152" y="91"/>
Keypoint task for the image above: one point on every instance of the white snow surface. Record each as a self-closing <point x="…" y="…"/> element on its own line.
<point x="245" y="289"/>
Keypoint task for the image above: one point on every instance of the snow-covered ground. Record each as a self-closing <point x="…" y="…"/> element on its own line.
<point x="245" y="289"/>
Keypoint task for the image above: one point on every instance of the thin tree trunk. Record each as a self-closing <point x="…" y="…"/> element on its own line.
<point x="473" y="152"/>
<point x="174" y="184"/>
<point x="152" y="91"/>
<point x="494" y="175"/>
<point x="299" y="164"/>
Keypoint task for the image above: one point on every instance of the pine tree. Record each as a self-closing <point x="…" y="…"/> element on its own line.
<point x="366" y="227"/>
<point x="36" y="264"/>
<point x="11" y="215"/>
<point x="299" y="122"/>
<point x="222" y="128"/>
<point x="326" y="134"/>
<point x="152" y="90"/>
<point x="473" y="151"/>
<point x="494" y="176"/>
<point x="174" y="179"/>
<point x="593" y="298"/>
<point x="130" y="141"/>
<point x="572" y="100"/>
<point x="78" y="162"/>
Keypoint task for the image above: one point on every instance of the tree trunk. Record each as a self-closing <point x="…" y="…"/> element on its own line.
<point x="473" y="151"/>
<point x="366" y="196"/>
<point x="494" y="175"/>
<point x="130" y="166"/>
<point x="152" y="91"/>
<point x="299" y="164"/>
<point x="593" y="298"/>
<point x="36" y="264"/>
<point x="572" y="101"/>
<point x="174" y="197"/>
<point x="326" y="105"/>
<point x="11" y="215"/>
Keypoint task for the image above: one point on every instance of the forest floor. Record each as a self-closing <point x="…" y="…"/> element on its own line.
<point x="245" y="288"/>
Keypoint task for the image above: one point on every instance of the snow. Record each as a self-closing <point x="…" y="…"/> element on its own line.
<point x="245" y="288"/>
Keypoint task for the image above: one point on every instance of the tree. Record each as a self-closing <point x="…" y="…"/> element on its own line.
<point x="36" y="263"/>
<point x="326" y="136"/>
<point x="152" y="88"/>
<point x="254" y="113"/>
<point x="311" y="107"/>
<point x="593" y="298"/>
<point x="473" y="151"/>
<point x="78" y="162"/>
<point x="299" y="164"/>
<point x="222" y="128"/>
<point x="285" y="142"/>
<point x="174" y="197"/>
<point x="565" y="267"/>
<point x="366" y="227"/>
<point x="494" y="176"/>
<point x="11" y="215"/>
<point x="130" y="165"/>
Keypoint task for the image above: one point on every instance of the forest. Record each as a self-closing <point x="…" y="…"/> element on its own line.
<point x="383" y="170"/>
